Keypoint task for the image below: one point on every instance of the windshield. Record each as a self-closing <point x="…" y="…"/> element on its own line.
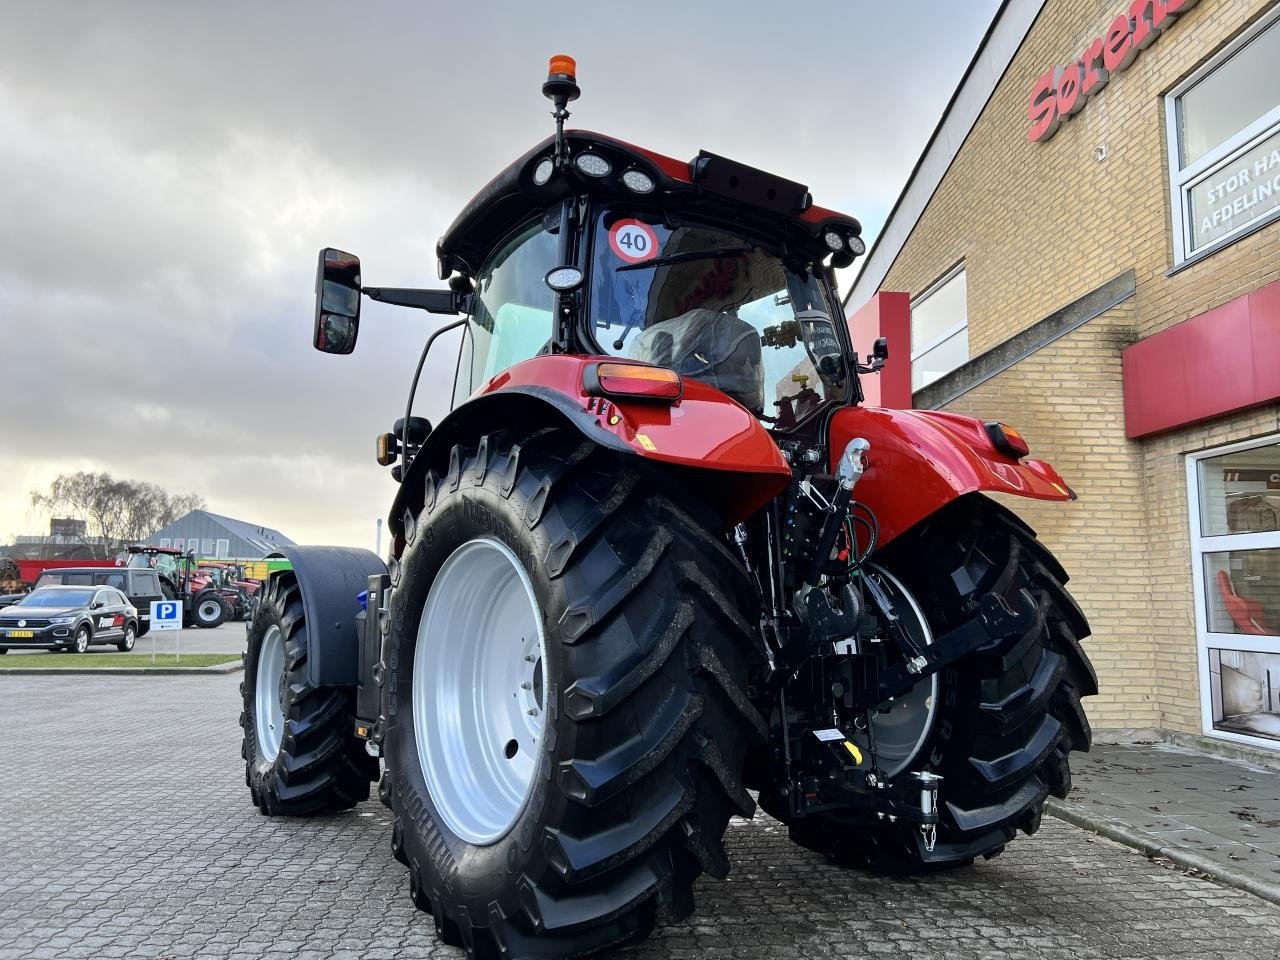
<point x="511" y="319"/>
<point x="166" y="564"/>
<point x="718" y="307"/>
<point x="56" y="598"/>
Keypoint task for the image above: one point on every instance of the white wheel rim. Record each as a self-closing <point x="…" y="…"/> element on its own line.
<point x="128" y="638"/>
<point x="209" y="609"/>
<point x="478" y="713"/>
<point x="269" y="694"/>
<point x="902" y="731"/>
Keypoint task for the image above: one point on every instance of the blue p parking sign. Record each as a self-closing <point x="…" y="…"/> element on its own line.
<point x="166" y="614"/>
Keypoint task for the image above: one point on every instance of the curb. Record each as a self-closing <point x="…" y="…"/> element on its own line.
<point x="1153" y="847"/>
<point x="220" y="669"/>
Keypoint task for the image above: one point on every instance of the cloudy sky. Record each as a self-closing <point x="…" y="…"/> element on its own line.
<point x="169" y="171"/>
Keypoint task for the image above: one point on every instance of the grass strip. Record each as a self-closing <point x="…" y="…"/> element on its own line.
<point x="82" y="661"/>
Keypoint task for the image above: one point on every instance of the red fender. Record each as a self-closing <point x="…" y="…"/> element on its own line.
<point x="921" y="460"/>
<point x="704" y="429"/>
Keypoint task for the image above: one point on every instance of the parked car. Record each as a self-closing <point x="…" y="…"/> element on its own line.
<point x="69" y="618"/>
<point x="140" y="586"/>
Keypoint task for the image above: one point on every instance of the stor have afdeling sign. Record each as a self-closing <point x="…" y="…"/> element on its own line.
<point x="1235" y="194"/>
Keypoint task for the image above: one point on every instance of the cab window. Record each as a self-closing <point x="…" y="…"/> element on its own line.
<point x="513" y="309"/>
<point x="717" y="306"/>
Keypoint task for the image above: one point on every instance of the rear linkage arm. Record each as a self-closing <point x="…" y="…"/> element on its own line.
<point x="995" y="622"/>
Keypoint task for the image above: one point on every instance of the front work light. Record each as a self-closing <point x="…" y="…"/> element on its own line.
<point x="592" y="164"/>
<point x="564" y="279"/>
<point x="857" y="246"/>
<point x="542" y="172"/>
<point x="833" y="240"/>
<point x="634" y="380"/>
<point x="1007" y="440"/>
<point x="637" y="181"/>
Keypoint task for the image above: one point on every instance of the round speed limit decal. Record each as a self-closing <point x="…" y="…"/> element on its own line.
<point x="633" y="241"/>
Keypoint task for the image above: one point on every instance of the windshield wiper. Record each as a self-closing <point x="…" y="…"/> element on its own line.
<point x="686" y="256"/>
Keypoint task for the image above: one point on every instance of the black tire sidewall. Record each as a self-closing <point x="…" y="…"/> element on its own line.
<point x="129" y="639"/>
<point x="472" y="875"/>
<point x="259" y="768"/>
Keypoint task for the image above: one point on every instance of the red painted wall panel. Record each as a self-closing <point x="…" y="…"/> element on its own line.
<point x="888" y="315"/>
<point x="1225" y="360"/>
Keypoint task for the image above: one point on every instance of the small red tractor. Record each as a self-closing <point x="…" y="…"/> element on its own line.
<point x="660" y="560"/>
<point x="240" y="592"/>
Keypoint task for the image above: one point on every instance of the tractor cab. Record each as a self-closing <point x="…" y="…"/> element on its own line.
<point x="590" y="246"/>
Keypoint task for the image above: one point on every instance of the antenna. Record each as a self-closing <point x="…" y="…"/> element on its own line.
<point x="561" y="87"/>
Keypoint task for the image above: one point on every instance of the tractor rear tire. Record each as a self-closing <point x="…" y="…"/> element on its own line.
<point x="645" y="636"/>
<point x="1006" y="718"/>
<point x="300" y="753"/>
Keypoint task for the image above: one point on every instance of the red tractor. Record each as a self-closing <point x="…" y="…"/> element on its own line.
<point x="658" y="560"/>
<point x="239" y="592"/>
<point x="203" y="603"/>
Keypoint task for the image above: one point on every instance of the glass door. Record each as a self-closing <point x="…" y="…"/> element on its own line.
<point x="1235" y="558"/>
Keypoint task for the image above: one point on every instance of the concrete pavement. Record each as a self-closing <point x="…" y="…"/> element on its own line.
<point x="1219" y="816"/>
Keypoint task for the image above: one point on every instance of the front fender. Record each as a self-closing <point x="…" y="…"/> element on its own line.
<point x="922" y="460"/>
<point x="331" y="580"/>
<point x="704" y="432"/>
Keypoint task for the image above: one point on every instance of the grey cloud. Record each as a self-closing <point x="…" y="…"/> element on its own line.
<point x="171" y="170"/>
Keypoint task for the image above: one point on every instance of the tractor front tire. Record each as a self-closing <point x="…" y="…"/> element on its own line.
<point x="1006" y="717"/>
<point x="300" y="753"/>
<point x="631" y="630"/>
<point x="208" y="610"/>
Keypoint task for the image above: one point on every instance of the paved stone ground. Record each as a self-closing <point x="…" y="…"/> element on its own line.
<point x="1226" y="810"/>
<point x="126" y="831"/>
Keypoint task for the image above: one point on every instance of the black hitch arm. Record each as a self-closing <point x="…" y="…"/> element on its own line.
<point x="995" y="622"/>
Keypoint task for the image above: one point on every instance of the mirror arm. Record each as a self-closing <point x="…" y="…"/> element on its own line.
<point x="433" y="301"/>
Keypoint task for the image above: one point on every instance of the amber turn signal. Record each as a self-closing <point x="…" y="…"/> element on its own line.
<point x="388" y="449"/>
<point x="636" y="380"/>
<point x="1007" y="440"/>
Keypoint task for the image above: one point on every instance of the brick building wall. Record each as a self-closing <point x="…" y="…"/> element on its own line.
<point x="1039" y="225"/>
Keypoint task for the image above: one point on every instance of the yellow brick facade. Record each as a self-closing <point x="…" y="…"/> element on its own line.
<point x="1039" y="225"/>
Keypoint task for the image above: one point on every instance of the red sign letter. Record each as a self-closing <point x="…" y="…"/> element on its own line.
<point x="1117" y="49"/>
<point x="1042" y="110"/>
<point x="1095" y="75"/>
<point x="1069" y="99"/>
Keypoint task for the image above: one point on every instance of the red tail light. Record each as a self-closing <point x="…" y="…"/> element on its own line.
<point x="636" y="380"/>
<point x="1007" y="440"/>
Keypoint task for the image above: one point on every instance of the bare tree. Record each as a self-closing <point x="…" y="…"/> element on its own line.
<point x="119" y="511"/>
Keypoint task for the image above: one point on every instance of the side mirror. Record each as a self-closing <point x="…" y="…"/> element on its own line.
<point x="337" y="301"/>
<point x="880" y="349"/>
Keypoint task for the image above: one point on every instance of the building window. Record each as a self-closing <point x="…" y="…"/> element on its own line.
<point x="164" y="543"/>
<point x="1235" y="557"/>
<point x="224" y="547"/>
<point x="207" y="550"/>
<point x="940" y="328"/>
<point x="179" y="543"/>
<point x="1224" y="143"/>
